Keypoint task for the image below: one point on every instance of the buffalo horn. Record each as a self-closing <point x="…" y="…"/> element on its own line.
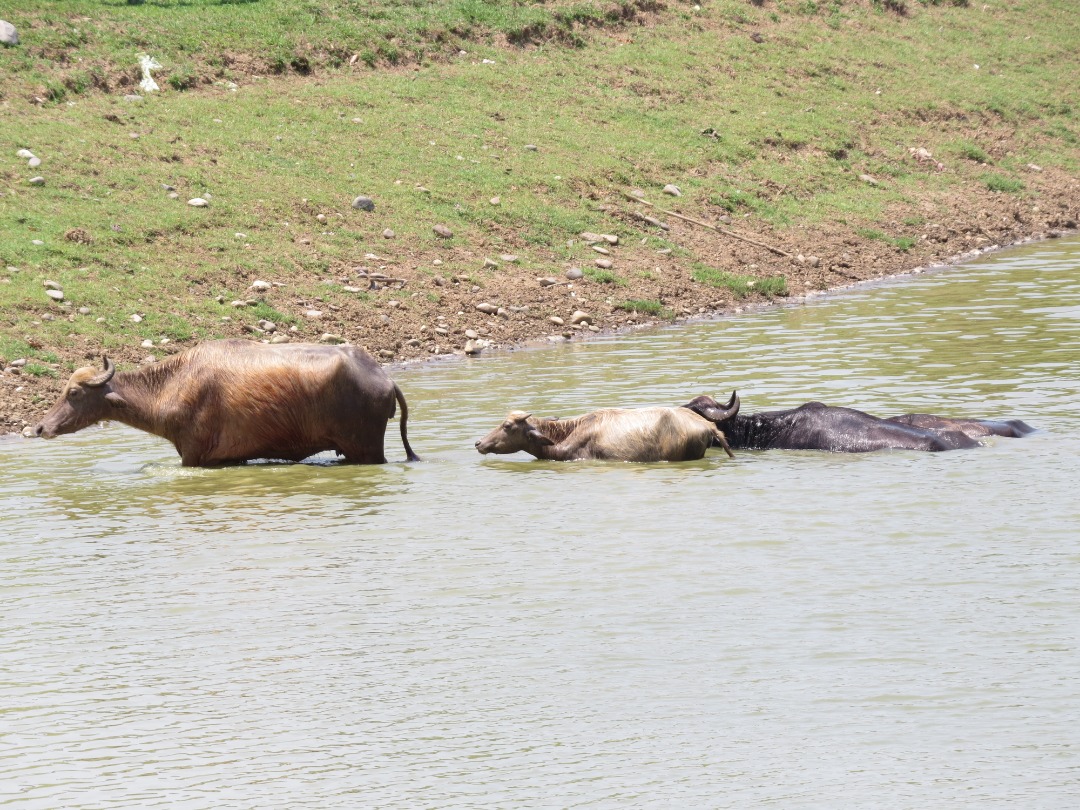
<point x="728" y="411"/>
<point x="104" y="376"/>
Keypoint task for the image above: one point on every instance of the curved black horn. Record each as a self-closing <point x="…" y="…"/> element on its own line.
<point x="103" y="377"/>
<point x="729" y="411"/>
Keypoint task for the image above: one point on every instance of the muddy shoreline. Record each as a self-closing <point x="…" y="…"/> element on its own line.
<point x="25" y="398"/>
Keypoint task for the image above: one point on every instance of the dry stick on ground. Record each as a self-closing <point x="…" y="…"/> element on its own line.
<point x="775" y="250"/>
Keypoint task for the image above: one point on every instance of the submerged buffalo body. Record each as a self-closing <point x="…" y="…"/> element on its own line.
<point x="611" y="434"/>
<point x="815" y="426"/>
<point x="230" y="401"/>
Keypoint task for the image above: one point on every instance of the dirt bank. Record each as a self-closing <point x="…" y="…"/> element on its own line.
<point x="435" y="315"/>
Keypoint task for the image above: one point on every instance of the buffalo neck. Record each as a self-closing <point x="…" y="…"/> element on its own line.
<point x="557" y="430"/>
<point x="149" y="398"/>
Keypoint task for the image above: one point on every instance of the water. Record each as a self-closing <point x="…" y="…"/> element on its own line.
<point x="786" y="629"/>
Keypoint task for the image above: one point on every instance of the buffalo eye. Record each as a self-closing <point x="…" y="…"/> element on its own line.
<point x="74" y="393"/>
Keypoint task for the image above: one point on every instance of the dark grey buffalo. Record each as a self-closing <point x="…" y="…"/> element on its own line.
<point x="229" y="401"/>
<point x="816" y="426"/>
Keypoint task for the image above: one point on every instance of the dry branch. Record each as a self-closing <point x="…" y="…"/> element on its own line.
<point x="724" y="231"/>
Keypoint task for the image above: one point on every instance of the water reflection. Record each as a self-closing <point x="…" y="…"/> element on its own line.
<point x="782" y="629"/>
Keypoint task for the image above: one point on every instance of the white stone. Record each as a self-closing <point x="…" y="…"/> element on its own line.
<point x="673" y="190"/>
<point x="198" y="202"/>
<point x="261" y="286"/>
<point x="136" y="318"/>
<point x="55" y="295"/>
<point x="8" y="35"/>
<point x="24" y="153"/>
<point x="34" y="162"/>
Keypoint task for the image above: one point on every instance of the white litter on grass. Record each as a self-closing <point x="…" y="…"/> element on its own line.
<point x="148" y="63"/>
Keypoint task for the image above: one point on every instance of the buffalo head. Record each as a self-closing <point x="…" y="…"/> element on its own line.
<point x="712" y="410"/>
<point x="514" y="434"/>
<point x="87" y="398"/>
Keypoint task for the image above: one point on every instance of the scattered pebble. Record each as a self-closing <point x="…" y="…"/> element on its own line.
<point x="388" y="234"/>
<point x="548" y="281"/>
<point x="509" y="257"/>
<point x="313" y="313"/>
<point x="588" y="237"/>
<point x="55" y="295"/>
<point x="36" y="181"/>
<point x="491" y="264"/>
<point x="198" y="202"/>
<point x="531" y="147"/>
<point x="472" y="347"/>
<point x="363" y="203"/>
<point x="442" y="231"/>
<point x="580" y="317"/>
<point x="604" y="264"/>
<point x="9" y="36"/>
<point x="495" y="200"/>
<point x="602" y="250"/>
<point x="489" y="309"/>
<point x="574" y="273"/>
<point x="555" y="319"/>
<point x="610" y="238"/>
<point x="260" y="286"/>
<point x="329" y="337"/>
<point x="868" y="179"/>
<point x="34" y="162"/>
<point x="673" y="190"/>
<point x="24" y="154"/>
<point x="136" y="318"/>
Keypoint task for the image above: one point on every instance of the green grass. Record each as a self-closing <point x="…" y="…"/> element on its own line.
<point x="645" y="307"/>
<point x="901" y="243"/>
<point x="999" y="182"/>
<point x="791" y="124"/>
<point x="740" y="286"/>
<point x="601" y="276"/>
<point x="971" y="151"/>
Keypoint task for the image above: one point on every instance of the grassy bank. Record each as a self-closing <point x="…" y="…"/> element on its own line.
<point x="792" y="123"/>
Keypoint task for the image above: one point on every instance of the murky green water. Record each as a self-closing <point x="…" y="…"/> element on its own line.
<point x="788" y="630"/>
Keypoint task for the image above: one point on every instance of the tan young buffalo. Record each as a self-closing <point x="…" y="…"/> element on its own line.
<point x="229" y="401"/>
<point x="610" y="434"/>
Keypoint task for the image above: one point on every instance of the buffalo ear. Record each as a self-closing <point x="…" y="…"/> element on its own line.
<point x="539" y="438"/>
<point x="116" y="400"/>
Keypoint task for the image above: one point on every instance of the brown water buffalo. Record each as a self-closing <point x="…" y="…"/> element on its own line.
<point x="229" y="401"/>
<point x="610" y="434"/>
<point x="815" y="426"/>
